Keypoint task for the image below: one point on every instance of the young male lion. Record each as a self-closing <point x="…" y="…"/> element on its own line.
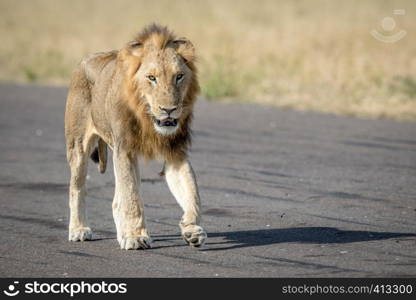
<point x="139" y="101"/>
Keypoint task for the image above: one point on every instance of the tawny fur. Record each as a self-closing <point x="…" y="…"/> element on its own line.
<point x="108" y="104"/>
<point x="144" y="138"/>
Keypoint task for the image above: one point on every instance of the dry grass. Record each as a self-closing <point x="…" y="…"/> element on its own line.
<point x="309" y="55"/>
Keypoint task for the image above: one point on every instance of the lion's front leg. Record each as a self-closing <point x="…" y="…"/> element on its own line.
<point x="127" y="204"/>
<point x="181" y="181"/>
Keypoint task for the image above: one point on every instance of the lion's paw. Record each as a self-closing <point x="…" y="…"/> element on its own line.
<point x="80" y="234"/>
<point x="133" y="243"/>
<point x="194" y="235"/>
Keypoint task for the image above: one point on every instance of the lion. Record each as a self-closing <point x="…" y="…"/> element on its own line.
<point x="139" y="102"/>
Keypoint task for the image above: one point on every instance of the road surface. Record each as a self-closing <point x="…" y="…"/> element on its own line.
<point x="285" y="194"/>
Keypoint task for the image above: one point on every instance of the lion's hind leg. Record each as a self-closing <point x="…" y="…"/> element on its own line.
<point x="78" y="152"/>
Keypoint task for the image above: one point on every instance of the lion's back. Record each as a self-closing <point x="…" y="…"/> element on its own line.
<point x="96" y="63"/>
<point x="85" y="81"/>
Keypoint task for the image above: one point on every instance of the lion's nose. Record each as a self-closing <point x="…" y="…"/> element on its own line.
<point x="168" y="110"/>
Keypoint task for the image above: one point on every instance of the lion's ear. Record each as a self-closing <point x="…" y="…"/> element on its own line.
<point x="184" y="48"/>
<point x="135" y="48"/>
<point x="130" y="56"/>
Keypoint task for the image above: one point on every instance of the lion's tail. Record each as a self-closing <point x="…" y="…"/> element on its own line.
<point x="99" y="155"/>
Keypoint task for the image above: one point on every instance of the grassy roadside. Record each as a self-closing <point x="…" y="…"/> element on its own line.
<point x="308" y="55"/>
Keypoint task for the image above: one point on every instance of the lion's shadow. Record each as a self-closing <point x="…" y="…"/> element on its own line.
<point x="228" y="240"/>
<point x="305" y="235"/>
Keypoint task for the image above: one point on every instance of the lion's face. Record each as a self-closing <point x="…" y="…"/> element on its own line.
<point x="163" y="80"/>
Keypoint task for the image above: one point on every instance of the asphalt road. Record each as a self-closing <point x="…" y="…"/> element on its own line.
<point x="285" y="194"/>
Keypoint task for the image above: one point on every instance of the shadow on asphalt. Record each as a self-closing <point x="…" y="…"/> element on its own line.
<point x="307" y="235"/>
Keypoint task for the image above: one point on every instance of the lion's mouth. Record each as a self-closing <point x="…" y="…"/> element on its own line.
<point x="167" y="122"/>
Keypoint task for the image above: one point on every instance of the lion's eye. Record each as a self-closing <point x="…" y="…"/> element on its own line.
<point x="151" y="78"/>
<point x="179" y="77"/>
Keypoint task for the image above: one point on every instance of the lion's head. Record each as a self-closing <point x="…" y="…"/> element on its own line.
<point x="161" y="81"/>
